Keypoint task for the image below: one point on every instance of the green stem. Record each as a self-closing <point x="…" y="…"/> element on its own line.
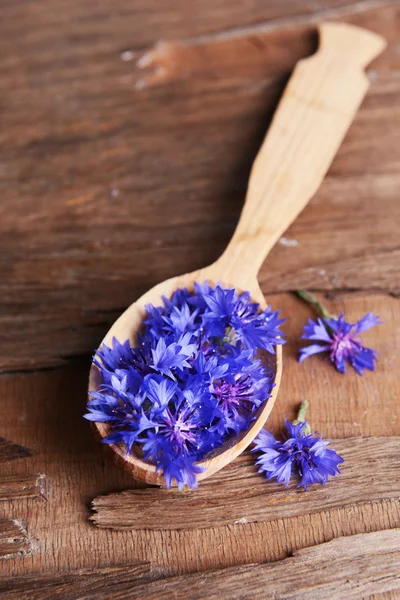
<point x="301" y="417"/>
<point x="311" y="299"/>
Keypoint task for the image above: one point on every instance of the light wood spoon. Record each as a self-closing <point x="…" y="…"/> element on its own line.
<point x="316" y="110"/>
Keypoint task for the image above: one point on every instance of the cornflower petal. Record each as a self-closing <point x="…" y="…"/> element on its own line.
<point x="310" y="350"/>
<point x="159" y="389"/>
<point x="369" y="320"/>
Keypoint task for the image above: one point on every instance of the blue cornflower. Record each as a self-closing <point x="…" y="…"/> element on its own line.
<point x="229" y="313"/>
<point x="159" y="390"/>
<point x="181" y="468"/>
<point x="210" y="367"/>
<point x="124" y="411"/>
<point x="262" y="331"/>
<point x="238" y="395"/>
<point x="339" y="338"/>
<point x="300" y="454"/>
<point x="119" y="356"/>
<point x="167" y="356"/>
<point x="179" y="424"/>
<point x="192" y="380"/>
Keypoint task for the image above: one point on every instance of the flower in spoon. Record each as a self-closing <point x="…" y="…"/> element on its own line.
<point x="193" y="381"/>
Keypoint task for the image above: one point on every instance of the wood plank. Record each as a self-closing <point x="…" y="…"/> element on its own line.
<point x="23" y="486"/>
<point x="62" y="281"/>
<point x="11" y="451"/>
<point x="238" y="494"/>
<point x="14" y="541"/>
<point x="353" y="567"/>
<point x="73" y="585"/>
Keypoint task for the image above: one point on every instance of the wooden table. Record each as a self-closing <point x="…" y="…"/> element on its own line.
<point x="128" y="131"/>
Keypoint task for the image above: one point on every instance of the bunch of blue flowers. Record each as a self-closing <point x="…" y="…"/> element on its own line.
<point x="193" y="380"/>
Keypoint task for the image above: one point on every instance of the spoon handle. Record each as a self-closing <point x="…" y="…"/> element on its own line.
<point x="316" y="110"/>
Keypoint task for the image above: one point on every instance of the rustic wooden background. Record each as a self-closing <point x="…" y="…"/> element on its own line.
<point x="128" y="130"/>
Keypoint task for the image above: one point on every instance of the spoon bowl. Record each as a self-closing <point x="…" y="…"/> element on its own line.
<point x="317" y="108"/>
<point x="127" y="327"/>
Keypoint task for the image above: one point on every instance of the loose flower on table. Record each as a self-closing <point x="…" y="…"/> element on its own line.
<point x="339" y="338"/>
<point x="299" y="453"/>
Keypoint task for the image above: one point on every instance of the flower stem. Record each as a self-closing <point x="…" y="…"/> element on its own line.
<point x="311" y="299"/>
<point x="301" y="417"/>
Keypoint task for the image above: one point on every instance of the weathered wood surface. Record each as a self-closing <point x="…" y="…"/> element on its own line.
<point x="354" y="567"/>
<point x="121" y="187"/>
<point x="239" y="494"/>
<point x="112" y="180"/>
<point x="74" y="585"/>
<point x="22" y="486"/>
<point x="14" y="541"/>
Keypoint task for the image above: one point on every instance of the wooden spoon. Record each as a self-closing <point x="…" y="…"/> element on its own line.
<point x="317" y="108"/>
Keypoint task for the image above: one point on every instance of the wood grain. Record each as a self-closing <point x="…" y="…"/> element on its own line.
<point x="74" y="585"/>
<point x="240" y="495"/>
<point x="351" y="567"/>
<point x="14" y="541"/>
<point x="23" y="486"/>
<point x="358" y="565"/>
<point x="84" y="154"/>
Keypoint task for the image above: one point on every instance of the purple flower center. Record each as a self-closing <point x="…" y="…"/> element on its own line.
<point x="338" y="337"/>
<point x="232" y="394"/>
<point x="178" y="429"/>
